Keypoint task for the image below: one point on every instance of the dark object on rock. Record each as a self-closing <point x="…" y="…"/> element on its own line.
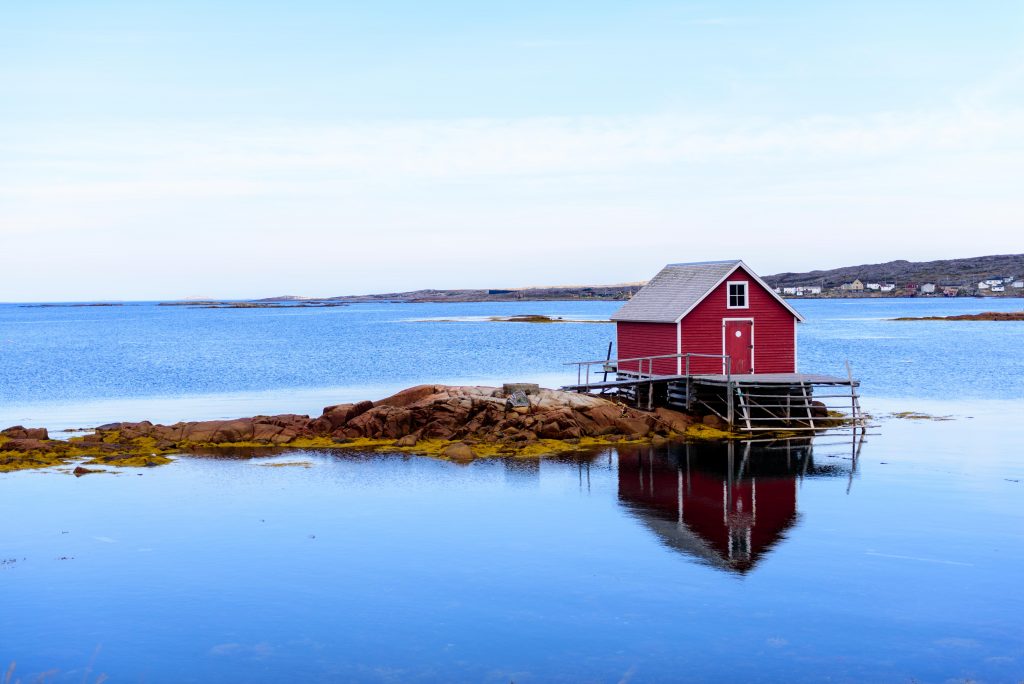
<point x="517" y="399"/>
<point x="525" y="387"/>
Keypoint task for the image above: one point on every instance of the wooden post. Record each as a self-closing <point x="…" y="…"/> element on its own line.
<point x="689" y="386"/>
<point x="853" y="395"/>
<point x="729" y="417"/>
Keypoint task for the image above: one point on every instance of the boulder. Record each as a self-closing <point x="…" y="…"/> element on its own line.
<point x="459" y="452"/>
<point x="673" y="420"/>
<point x="713" y="421"/>
<point x="335" y="417"/>
<point x="19" y="432"/>
<point x="406" y="441"/>
<point x="27" y="444"/>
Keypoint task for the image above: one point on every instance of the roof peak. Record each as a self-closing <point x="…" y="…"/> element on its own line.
<point x="705" y="263"/>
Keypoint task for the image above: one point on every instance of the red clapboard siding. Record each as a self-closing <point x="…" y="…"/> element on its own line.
<point x="774" y="333"/>
<point x="647" y="339"/>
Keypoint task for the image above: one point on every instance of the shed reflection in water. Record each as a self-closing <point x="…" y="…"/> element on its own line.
<point x="727" y="504"/>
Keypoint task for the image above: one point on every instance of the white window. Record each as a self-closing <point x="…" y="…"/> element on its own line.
<point x="737" y="295"/>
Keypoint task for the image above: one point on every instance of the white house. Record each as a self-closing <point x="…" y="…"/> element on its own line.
<point x="998" y="288"/>
<point x="873" y="286"/>
<point x="984" y="285"/>
<point x="809" y="290"/>
<point x="888" y="287"/>
<point x="789" y="291"/>
<point x="928" y="288"/>
<point x="1017" y="284"/>
<point x="994" y="281"/>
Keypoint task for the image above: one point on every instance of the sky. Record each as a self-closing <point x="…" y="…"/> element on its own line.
<point x="159" y="150"/>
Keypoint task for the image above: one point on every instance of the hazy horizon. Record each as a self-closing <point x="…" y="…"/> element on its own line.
<point x="240" y="151"/>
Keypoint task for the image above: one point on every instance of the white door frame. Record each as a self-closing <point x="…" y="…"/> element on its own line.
<point x="726" y="371"/>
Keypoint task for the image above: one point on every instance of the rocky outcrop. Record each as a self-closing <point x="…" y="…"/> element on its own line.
<point x="425" y="412"/>
<point x="459" y="423"/>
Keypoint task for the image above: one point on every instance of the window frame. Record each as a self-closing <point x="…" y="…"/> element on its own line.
<point x="746" y="294"/>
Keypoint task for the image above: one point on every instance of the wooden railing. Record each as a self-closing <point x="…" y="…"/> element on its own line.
<point x="614" y="366"/>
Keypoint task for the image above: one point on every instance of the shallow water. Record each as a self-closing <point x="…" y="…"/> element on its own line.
<point x="692" y="563"/>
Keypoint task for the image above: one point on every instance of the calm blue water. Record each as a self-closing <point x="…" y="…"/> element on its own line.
<point x="702" y="564"/>
<point x="86" y="366"/>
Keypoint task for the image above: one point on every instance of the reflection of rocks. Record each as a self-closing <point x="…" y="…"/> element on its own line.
<point x="727" y="504"/>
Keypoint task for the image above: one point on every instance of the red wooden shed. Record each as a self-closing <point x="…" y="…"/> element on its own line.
<point x="711" y="307"/>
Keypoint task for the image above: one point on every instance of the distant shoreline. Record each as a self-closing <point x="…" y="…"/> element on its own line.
<point x="331" y="302"/>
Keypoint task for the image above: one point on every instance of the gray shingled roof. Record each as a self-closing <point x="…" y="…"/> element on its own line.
<point x="672" y="292"/>
<point x="679" y="287"/>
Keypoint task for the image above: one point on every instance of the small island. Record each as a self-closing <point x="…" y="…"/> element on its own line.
<point x="986" y="316"/>
<point x="451" y="422"/>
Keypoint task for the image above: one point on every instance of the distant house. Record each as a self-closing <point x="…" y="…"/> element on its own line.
<point x="888" y="287"/>
<point x="789" y="291"/>
<point x="809" y="290"/>
<point x="910" y="289"/>
<point x="994" y="281"/>
<point x="950" y="291"/>
<point x="928" y="288"/>
<point x="855" y="286"/>
<point x="1017" y="284"/>
<point x="873" y="286"/>
<point x="984" y="285"/>
<point x="998" y="288"/>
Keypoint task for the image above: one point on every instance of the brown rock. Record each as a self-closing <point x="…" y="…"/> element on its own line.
<point x="339" y="415"/>
<point x="410" y="396"/>
<point x="407" y="441"/>
<point x="715" y="422"/>
<point x="26" y="445"/>
<point x="674" y="420"/>
<point x="19" y="432"/>
<point x="459" y="452"/>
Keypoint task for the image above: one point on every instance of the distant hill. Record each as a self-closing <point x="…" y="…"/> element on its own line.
<point x="966" y="272"/>
<point x="559" y="293"/>
<point x="963" y="272"/>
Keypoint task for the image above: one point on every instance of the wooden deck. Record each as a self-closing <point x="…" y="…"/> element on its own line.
<point x="751" y="402"/>
<point x="754" y="379"/>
